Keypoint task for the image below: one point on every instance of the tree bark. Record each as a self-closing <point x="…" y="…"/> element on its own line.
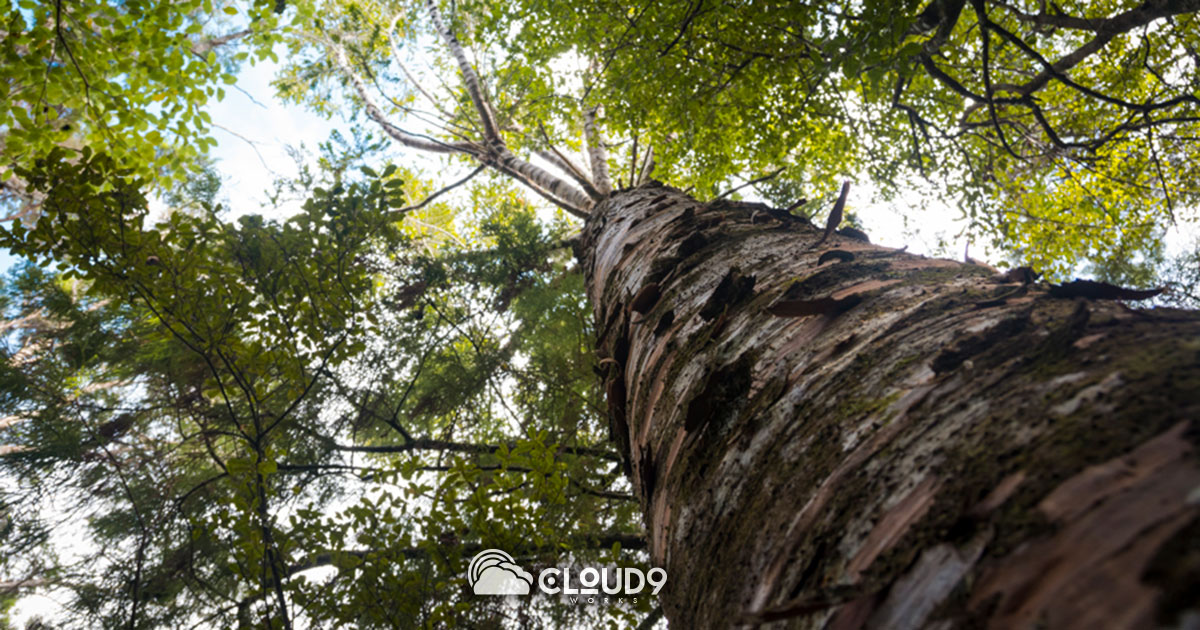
<point x="873" y="439"/>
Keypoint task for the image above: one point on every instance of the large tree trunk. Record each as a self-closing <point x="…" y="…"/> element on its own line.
<point x="886" y="440"/>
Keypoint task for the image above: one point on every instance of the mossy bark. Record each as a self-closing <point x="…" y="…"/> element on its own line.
<point x="873" y="439"/>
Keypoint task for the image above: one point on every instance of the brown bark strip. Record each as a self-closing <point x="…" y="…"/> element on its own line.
<point x="1115" y="516"/>
<point x="893" y="526"/>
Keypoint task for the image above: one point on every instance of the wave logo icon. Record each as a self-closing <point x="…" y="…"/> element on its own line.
<point x="493" y="572"/>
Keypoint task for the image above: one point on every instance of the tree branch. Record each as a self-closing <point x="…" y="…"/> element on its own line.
<point x="439" y="193"/>
<point x="597" y="152"/>
<point x="647" y="165"/>
<point x="652" y="619"/>
<point x="627" y="541"/>
<point x="201" y="48"/>
<point x="405" y="138"/>
<point x="491" y="132"/>
<point x="408" y="75"/>
<point x="561" y="162"/>
<point x="555" y="189"/>
<point x="757" y="180"/>
<point x="1117" y="25"/>
<point x="986" y="38"/>
<point x="429" y="444"/>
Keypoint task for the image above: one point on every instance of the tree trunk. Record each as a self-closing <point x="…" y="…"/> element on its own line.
<point x="886" y="440"/>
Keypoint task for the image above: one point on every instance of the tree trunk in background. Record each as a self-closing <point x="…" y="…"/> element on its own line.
<point x="886" y="440"/>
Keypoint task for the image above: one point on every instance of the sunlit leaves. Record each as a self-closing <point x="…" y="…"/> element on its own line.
<point x="130" y="78"/>
<point x="894" y="90"/>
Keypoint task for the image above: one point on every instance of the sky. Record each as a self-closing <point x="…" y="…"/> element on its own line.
<point x="254" y="129"/>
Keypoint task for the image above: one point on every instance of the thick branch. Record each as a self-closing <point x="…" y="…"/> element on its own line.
<point x="491" y="131"/>
<point x="596" y="152"/>
<point x="28" y="584"/>
<point x="497" y="153"/>
<point x="428" y="444"/>
<point x="563" y="164"/>
<point x="201" y="48"/>
<point x="647" y="165"/>
<point x="1105" y="32"/>
<point x="1145" y="13"/>
<point x="573" y="200"/>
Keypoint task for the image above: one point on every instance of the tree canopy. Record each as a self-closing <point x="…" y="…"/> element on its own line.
<point x="233" y="421"/>
<point x="131" y="77"/>
<point x="1065" y="132"/>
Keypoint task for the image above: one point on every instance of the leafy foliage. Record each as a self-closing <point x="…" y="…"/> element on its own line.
<point x="320" y="420"/>
<point x="131" y="77"/>
<point x="231" y="405"/>
<point x="1065" y="135"/>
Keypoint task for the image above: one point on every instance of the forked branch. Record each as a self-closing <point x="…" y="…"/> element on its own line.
<point x="405" y="138"/>
<point x="412" y="80"/>
<point x="491" y="152"/>
<point x="497" y="153"/>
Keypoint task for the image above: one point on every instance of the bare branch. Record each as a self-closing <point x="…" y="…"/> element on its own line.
<point x="757" y="180"/>
<point x="633" y="169"/>
<point x="201" y="48"/>
<point x="555" y="189"/>
<point x="647" y="165"/>
<point x="439" y="193"/>
<point x="603" y="494"/>
<point x="651" y="619"/>
<point x="30" y="583"/>
<point x="597" y="152"/>
<point x="491" y="132"/>
<point x="253" y="144"/>
<point x="429" y="444"/>
<point x="412" y="80"/>
<point x="405" y="138"/>
<point x="561" y="162"/>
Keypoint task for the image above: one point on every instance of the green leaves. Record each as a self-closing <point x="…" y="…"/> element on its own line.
<point x="1064" y="166"/>
<point x="312" y="392"/>
<point x="384" y="395"/>
<point x="128" y="77"/>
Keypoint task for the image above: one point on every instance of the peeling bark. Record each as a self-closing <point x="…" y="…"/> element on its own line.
<point x="887" y="440"/>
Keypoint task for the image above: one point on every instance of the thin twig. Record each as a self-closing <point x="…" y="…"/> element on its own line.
<point x="439" y="193"/>
<point x="752" y="182"/>
<point x="246" y="140"/>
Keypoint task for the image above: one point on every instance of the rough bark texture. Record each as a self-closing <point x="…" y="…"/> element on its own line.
<point x="848" y="436"/>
